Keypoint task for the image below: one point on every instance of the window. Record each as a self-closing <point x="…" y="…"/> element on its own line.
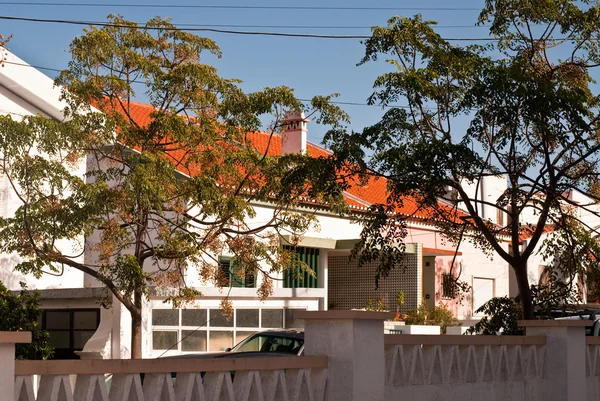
<point x="296" y="277"/>
<point x="237" y="276"/>
<point x="200" y="330"/>
<point x="483" y="291"/>
<point x="448" y="286"/>
<point x="69" y="329"/>
<point x="272" y="318"/>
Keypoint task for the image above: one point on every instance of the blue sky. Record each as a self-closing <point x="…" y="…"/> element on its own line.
<point x="310" y="66"/>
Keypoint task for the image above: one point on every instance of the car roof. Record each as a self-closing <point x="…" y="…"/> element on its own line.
<point x="282" y="333"/>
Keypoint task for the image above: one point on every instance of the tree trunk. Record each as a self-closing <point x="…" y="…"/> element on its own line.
<point x="136" y="327"/>
<point x="524" y="290"/>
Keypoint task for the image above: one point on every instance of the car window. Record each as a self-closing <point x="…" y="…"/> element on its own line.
<point x="265" y="343"/>
<point x="251" y="344"/>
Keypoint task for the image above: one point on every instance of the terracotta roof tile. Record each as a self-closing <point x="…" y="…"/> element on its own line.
<point x="359" y="195"/>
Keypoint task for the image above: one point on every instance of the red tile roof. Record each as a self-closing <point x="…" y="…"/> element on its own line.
<point x="359" y="196"/>
<point x="527" y="231"/>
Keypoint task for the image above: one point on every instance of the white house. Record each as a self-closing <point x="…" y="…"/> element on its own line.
<point x="70" y="300"/>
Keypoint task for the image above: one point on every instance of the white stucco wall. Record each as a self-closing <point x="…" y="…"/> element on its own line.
<point x="25" y="91"/>
<point x="488" y="189"/>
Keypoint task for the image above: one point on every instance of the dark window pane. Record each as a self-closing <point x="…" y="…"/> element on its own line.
<point x="85" y="320"/>
<point x="193" y="340"/>
<point x="272" y="318"/>
<point x="59" y="339"/>
<point x="165" y="317"/>
<point x="290" y="322"/>
<point x="81" y="337"/>
<point x="246" y="317"/>
<point x="448" y="286"/>
<point x="164" y="339"/>
<point x="220" y="340"/>
<point x="193" y="317"/>
<point x="218" y="320"/>
<point x="58" y="320"/>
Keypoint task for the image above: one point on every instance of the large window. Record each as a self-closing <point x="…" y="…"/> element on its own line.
<point x="69" y="329"/>
<point x="236" y="275"/>
<point x="199" y="330"/>
<point x="296" y="277"/>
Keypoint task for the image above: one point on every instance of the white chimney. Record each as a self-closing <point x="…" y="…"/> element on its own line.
<point x="294" y="133"/>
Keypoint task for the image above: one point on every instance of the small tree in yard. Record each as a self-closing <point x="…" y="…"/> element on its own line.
<point x="522" y="106"/>
<point x="170" y="192"/>
<point x="21" y="313"/>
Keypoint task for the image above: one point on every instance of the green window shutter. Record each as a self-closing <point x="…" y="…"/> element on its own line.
<point x="235" y="278"/>
<point x="301" y="278"/>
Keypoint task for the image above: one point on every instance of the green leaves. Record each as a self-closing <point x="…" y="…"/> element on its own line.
<point x="149" y="195"/>
<point x="20" y="312"/>
<point x="523" y="108"/>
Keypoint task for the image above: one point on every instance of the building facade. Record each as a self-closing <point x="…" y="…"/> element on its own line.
<point x="72" y="301"/>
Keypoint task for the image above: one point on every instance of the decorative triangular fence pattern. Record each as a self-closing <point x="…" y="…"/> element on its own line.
<point x="24" y="388"/>
<point x="271" y="385"/>
<point x="414" y="365"/>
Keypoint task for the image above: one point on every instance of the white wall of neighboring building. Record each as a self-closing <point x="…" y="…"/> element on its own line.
<point x="484" y="193"/>
<point x="24" y="91"/>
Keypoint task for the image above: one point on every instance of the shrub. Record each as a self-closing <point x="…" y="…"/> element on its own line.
<point x="434" y="316"/>
<point x="21" y="313"/>
<point x="502" y="315"/>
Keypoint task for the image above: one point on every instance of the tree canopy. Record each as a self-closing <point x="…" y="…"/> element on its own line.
<point x="152" y="193"/>
<point x="523" y="106"/>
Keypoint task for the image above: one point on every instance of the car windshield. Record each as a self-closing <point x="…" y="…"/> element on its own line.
<point x="269" y="343"/>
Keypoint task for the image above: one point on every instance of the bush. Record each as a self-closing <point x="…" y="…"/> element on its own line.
<point x="502" y="315"/>
<point x="21" y="313"/>
<point x="435" y="316"/>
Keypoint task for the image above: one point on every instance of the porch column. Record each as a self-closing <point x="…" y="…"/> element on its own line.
<point x="353" y="341"/>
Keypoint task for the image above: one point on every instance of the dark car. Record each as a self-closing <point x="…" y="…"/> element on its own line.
<point x="271" y="342"/>
<point x="281" y="341"/>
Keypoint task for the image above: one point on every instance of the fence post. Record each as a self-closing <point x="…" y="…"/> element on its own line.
<point x="564" y="359"/>
<point x="353" y="341"/>
<point x="8" y="339"/>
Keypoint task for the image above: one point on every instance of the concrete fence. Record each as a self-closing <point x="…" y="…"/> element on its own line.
<point x="347" y="358"/>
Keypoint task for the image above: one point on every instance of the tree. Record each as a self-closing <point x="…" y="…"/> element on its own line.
<point x="21" y="313"/>
<point x="3" y="42"/>
<point x="523" y="106"/>
<point x="162" y="194"/>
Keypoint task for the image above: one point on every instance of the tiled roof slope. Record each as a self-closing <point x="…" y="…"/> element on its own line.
<point x="358" y="196"/>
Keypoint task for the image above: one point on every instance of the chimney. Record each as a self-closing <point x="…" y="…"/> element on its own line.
<point x="294" y="133"/>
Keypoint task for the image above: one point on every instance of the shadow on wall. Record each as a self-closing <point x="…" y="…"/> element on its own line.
<point x="459" y="307"/>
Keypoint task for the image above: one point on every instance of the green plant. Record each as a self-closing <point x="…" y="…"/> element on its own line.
<point x="502" y="314"/>
<point x="378" y="306"/>
<point x="399" y="300"/>
<point x="21" y="313"/>
<point x="432" y="316"/>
